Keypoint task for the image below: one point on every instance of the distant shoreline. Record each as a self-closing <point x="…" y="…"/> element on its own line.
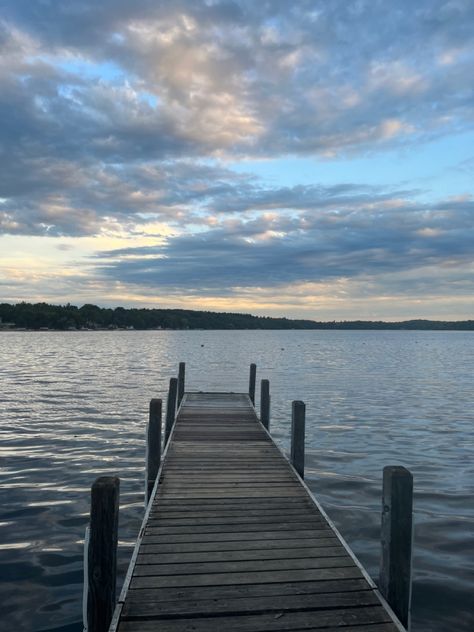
<point x="104" y="330"/>
<point x="46" y="317"/>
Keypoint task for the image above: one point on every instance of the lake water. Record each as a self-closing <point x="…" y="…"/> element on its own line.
<point x="73" y="406"/>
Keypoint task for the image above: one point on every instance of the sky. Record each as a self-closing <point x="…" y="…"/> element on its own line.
<point x="309" y="159"/>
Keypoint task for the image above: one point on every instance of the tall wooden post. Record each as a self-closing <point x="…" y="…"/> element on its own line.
<point x="171" y="407"/>
<point x="102" y="553"/>
<point x="153" y="446"/>
<point x="397" y="536"/>
<point x="298" y="413"/>
<point x="181" y="377"/>
<point x="265" y="403"/>
<point x="252" y="378"/>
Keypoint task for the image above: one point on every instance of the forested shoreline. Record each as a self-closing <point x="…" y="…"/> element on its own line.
<point x="39" y="316"/>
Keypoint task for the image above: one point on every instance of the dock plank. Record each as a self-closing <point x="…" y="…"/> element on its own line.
<point x="234" y="542"/>
<point x="154" y="607"/>
<point x="269" y="622"/>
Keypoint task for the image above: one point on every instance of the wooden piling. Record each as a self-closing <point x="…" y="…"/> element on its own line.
<point x="265" y="403"/>
<point x="181" y="380"/>
<point x="153" y="445"/>
<point x="397" y="536"/>
<point x="298" y="413"/>
<point x="252" y="378"/>
<point x="102" y="553"/>
<point x="171" y="407"/>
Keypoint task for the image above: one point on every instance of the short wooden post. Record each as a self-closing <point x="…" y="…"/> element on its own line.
<point x="265" y="403"/>
<point x="153" y="446"/>
<point x="102" y="553"/>
<point x="171" y="407"/>
<point x="252" y="378"/>
<point x="397" y="536"/>
<point x="181" y="376"/>
<point x="298" y="413"/>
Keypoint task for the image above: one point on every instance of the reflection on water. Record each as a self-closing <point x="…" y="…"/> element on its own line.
<point x="73" y="406"/>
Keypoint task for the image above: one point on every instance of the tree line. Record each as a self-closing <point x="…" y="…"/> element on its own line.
<point x="70" y="317"/>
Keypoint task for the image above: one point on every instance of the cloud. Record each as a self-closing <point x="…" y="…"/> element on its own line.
<point x="233" y="79"/>
<point x="236" y="77"/>
<point x="119" y="116"/>
<point x="62" y="197"/>
<point x="42" y="196"/>
<point x="350" y="241"/>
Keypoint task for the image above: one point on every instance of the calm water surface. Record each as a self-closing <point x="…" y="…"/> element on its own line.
<point x="73" y="406"/>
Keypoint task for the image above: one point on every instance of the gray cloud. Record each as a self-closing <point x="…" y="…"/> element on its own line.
<point x="236" y="77"/>
<point x="115" y="84"/>
<point x="69" y="198"/>
<point x="313" y="247"/>
<point x="63" y="197"/>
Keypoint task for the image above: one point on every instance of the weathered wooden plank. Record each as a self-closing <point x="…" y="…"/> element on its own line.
<point x="156" y="544"/>
<point x="260" y="462"/>
<point x="178" y="495"/>
<point x="220" y="491"/>
<point x="228" y="508"/>
<point x="215" y="466"/>
<point x="230" y="466"/>
<point x="154" y="555"/>
<point x="242" y="566"/>
<point x="260" y="577"/>
<point x="256" y="452"/>
<point x="236" y="459"/>
<point x="256" y="460"/>
<point x="183" y="464"/>
<point x="241" y="536"/>
<point x="234" y="451"/>
<point x="243" y="520"/>
<point x="233" y="505"/>
<point x="377" y="627"/>
<point x="242" y="476"/>
<point x="176" y="484"/>
<point x="245" y="591"/>
<point x="170" y="517"/>
<point x="267" y="622"/>
<point x="263" y="528"/>
<point x="211" y="436"/>
<point x="238" y="606"/>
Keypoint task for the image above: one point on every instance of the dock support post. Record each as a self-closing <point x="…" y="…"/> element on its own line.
<point x="397" y="536"/>
<point x="171" y="407"/>
<point x="265" y="403"/>
<point x="153" y="446"/>
<point x="102" y="553"/>
<point x="298" y="414"/>
<point x="181" y="377"/>
<point x="252" y="378"/>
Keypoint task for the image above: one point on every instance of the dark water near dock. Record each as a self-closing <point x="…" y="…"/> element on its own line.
<point x="74" y="406"/>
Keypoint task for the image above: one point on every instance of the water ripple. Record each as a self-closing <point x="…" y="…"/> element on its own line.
<point x="74" y="406"/>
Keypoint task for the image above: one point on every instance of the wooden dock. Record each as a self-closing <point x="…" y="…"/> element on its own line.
<point x="233" y="540"/>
